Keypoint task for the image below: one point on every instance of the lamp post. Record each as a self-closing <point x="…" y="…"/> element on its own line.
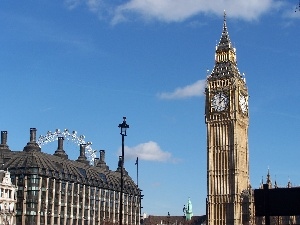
<point x="140" y="198"/>
<point x="123" y="127"/>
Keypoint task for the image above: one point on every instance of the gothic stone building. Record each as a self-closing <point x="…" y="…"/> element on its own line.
<point x="230" y="198"/>
<point x="227" y="120"/>
<point x="53" y="190"/>
<point x="7" y="199"/>
<point x="277" y="220"/>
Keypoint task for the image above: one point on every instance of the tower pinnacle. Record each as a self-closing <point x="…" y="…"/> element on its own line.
<point x="269" y="182"/>
<point x="224" y="43"/>
<point x="225" y="56"/>
<point x="224" y="23"/>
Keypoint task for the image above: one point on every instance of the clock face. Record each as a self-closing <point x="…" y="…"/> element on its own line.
<point x="243" y="103"/>
<point x="219" y="102"/>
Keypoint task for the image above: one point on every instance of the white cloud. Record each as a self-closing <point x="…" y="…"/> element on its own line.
<point x="175" y="10"/>
<point x="71" y="4"/>
<point x="192" y="90"/>
<point x="94" y="5"/>
<point x="149" y="151"/>
<point x="179" y="10"/>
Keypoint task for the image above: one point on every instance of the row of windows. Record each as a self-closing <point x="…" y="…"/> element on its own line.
<point x="33" y="191"/>
<point x="34" y="179"/>
<point x="32" y="219"/>
<point x="60" y="196"/>
<point x="6" y="193"/>
<point x="220" y="83"/>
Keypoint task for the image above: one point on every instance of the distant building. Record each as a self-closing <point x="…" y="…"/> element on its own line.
<point x="174" y="220"/>
<point x="186" y="219"/>
<point x="7" y="199"/>
<point x="54" y="190"/>
<point x="276" y="220"/>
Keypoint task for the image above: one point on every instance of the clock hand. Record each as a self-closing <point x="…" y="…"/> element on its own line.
<point x="222" y="100"/>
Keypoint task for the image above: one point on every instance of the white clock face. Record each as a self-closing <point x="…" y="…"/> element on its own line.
<point x="219" y="102"/>
<point x="243" y="103"/>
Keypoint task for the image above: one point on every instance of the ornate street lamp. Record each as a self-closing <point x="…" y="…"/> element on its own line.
<point x="124" y="126"/>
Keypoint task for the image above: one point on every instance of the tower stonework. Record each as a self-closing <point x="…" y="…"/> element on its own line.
<point x="227" y="119"/>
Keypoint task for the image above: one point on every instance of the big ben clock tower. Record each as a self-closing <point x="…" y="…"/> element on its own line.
<point x="227" y="119"/>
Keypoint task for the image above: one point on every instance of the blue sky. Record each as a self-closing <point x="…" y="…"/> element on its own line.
<point x="84" y="64"/>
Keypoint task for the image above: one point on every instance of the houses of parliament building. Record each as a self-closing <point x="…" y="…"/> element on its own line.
<point x="227" y="119"/>
<point x="230" y="198"/>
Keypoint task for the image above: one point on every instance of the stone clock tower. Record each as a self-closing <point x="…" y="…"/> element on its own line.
<point x="227" y="119"/>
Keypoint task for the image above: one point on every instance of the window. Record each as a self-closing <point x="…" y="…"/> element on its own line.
<point x="33" y="179"/>
<point x="32" y="193"/>
<point x="20" y="180"/>
<point x="31" y="205"/>
<point x="29" y="219"/>
<point x="19" y="205"/>
<point x="92" y="191"/>
<point x="19" y="219"/>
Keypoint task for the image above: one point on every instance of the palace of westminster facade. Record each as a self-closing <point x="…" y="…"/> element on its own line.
<point x="54" y="190"/>
<point x="230" y="198"/>
<point x="227" y="119"/>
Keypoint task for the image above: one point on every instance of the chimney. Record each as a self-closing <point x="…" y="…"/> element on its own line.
<point x="101" y="162"/>
<point x="60" y="148"/>
<point x="3" y="137"/>
<point x="82" y="158"/>
<point x="32" y="145"/>
<point x="32" y="135"/>
<point x="82" y="151"/>
<point x="102" y="156"/>
<point x="3" y="145"/>
<point x="60" y="142"/>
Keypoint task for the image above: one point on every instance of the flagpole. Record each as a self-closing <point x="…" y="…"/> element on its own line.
<point x="137" y="171"/>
